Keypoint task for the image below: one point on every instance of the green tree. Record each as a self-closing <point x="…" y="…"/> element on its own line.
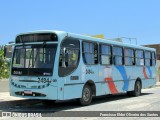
<point x="4" y="66"/>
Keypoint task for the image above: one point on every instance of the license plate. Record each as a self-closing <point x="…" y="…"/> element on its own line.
<point x="27" y="92"/>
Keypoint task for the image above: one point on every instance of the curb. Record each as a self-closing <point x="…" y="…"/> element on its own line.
<point x="4" y="79"/>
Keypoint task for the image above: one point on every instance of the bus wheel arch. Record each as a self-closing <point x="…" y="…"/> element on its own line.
<point x="92" y="85"/>
<point x="88" y="91"/>
<point x="137" y="87"/>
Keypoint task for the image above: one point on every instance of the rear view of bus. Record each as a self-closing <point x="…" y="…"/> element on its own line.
<point x="32" y="68"/>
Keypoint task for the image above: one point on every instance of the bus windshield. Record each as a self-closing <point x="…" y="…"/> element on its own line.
<point x="33" y="60"/>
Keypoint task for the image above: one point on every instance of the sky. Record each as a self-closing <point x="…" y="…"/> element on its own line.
<point x="138" y="19"/>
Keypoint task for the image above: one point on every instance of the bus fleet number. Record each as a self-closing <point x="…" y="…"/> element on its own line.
<point x="43" y="80"/>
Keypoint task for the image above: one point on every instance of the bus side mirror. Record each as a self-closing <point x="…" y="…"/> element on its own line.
<point x="4" y="52"/>
<point x="8" y="53"/>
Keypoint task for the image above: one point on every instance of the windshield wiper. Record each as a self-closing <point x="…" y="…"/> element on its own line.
<point x="29" y="60"/>
<point x="35" y="58"/>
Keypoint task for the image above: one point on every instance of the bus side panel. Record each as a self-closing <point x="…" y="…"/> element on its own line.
<point x="116" y="79"/>
<point x="72" y="84"/>
<point x="104" y="73"/>
<point x="131" y="85"/>
<point x="73" y="91"/>
<point x="146" y="83"/>
<point x="151" y="83"/>
<point x="149" y="77"/>
<point x="99" y="89"/>
<point x="119" y="78"/>
<point x="131" y="77"/>
<point x="105" y="88"/>
<point x="110" y="79"/>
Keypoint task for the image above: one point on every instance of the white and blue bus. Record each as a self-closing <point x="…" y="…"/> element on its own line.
<point x="57" y="65"/>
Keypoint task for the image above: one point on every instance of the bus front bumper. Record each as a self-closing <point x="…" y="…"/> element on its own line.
<point x="49" y="93"/>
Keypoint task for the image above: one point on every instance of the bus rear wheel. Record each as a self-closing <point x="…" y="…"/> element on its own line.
<point x="86" y="96"/>
<point x="137" y="89"/>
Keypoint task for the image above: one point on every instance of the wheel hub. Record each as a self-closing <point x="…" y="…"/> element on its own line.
<point x="86" y="94"/>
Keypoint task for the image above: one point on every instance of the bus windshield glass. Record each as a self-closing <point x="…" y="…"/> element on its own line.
<point x="33" y="60"/>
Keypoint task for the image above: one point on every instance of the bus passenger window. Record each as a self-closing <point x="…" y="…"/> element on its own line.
<point x="90" y="53"/>
<point x="129" y="56"/>
<point x="117" y="54"/>
<point x="105" y="54"/>
<point x="69" y="56"/>
<point x="139" y="57"/>
<point x="153" y="59"/>
<point x="147" y="58"/>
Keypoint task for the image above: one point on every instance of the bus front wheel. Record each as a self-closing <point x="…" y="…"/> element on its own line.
<point x="86" y="95"/>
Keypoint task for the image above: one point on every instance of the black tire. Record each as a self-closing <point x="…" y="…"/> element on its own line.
<point x="129" y="93"/>
<point x="48" y="102"/>
<point x="86" y="96"/>
<point x="137" y="89"/>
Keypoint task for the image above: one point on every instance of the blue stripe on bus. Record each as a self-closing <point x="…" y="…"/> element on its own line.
<point x="150" y="72"/>
<point x="124" y="76"/>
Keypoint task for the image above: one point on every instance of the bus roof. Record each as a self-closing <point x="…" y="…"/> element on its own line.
<point x="90" y="38"/>
<point x="108" y="41"/>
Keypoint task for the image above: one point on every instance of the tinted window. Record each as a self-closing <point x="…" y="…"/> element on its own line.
<point x="39" y="37"/>
<point x="117" y="54"/>
<point x="34" y="59"/>
<point x="147" y="58"/>
<point x="90" y="53"/>
<point x="153" y="59"/>
<point x="129" y="56"/>
<point x="139" y="57"/>
<point x="69" y="56"/>
<point x="105" y="54"/>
